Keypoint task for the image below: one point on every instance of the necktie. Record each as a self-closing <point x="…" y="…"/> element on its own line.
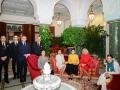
<point x="39" y="44"/>
<point x="16" y="43"/>
<point x="3" y="45"/>
<point x="24" y="44"/>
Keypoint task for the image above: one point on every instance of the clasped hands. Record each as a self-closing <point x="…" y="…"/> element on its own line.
<point x="70" y="63"/>
<point x="4" y="58"/>
<point x="26" y="55"/>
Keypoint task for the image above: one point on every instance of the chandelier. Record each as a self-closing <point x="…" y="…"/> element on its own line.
<point x="58" y="19"/>
<point x="91" y="14"/>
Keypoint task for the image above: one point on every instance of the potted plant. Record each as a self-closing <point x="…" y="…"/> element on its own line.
<point x="74" y="37"/>
<point x="46" y="36"/>
<point x="95" y="40"/>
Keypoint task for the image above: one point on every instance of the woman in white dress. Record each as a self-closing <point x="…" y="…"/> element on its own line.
<point x="60" y="62"/>
<point x="112" y="67"/>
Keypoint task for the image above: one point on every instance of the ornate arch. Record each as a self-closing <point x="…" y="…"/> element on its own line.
<point x="0" y="4"/>
<point x="40" y="6"/>
<point x="78" y="10"/>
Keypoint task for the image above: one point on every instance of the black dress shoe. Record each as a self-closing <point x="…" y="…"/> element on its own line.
<point x="17" y="77"/>
<point x="89" y="80"/>
<point x="95" y="85"/>
<point x="99" y="87"/>
<point x="80" y="79"/>
<point x="21" y="81"/>
<point x="23" y="85"/>
<point x="70" y="78"/>
<point x="14" y="78"/>
<point x="6" y="81"/>
<point x="24" y="80"/>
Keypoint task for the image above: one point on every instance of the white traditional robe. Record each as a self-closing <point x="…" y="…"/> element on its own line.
<point x="102" y="78"/>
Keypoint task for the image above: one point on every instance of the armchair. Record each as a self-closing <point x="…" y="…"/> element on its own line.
<point x="53" y="64"/>
<point x="32" y="66"/>
<point x="95" y="67"/>
<point x="114" y="84"/>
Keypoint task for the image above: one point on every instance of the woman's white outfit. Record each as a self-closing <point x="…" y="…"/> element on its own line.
<point x="60" y="61"/>
<point x="102" y="78"/>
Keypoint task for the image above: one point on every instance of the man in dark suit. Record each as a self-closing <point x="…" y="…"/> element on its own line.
<point x="37" y="46"/>
<point x="23" y="53"/>
<point x="14" y="56"/>
<point x="4" y="53"/>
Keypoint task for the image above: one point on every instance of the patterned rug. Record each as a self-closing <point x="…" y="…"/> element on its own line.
<point x="83" y="84"/>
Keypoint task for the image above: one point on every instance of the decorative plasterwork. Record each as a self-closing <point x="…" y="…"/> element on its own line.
<point x="17" y="7"/>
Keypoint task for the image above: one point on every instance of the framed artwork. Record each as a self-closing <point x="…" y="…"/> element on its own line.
<point x="14" y="28"/>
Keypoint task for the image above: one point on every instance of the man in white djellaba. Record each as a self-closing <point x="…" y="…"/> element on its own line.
<point x="112" y="67"/>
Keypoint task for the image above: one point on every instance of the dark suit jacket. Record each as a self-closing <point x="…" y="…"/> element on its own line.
<point x="36" y="49"/>
<point x="23" y="49"/>
<point x="4" y="51"/>
<point x="13" y="50"/>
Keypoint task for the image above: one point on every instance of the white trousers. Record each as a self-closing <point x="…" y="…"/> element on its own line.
<point x="102" y="81"/>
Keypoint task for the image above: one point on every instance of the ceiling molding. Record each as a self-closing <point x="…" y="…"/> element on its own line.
<point x="18" y="7"/>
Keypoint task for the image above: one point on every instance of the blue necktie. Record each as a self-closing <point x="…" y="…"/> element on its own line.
<point x="24" y="44"/>
<point x="4" y="45"/>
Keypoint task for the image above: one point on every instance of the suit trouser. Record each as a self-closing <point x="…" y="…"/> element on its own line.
<point x="5" y="65"/>
<point x="15" y="67"/>
<point x="23" y="70"/>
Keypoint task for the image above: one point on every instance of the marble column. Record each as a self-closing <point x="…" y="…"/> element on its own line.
<point x="106" y="28"/>
<point x="114" y="39"/>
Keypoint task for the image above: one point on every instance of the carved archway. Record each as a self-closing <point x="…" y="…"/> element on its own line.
<point x="0" y="4"/>
<point x="43" y="10"/>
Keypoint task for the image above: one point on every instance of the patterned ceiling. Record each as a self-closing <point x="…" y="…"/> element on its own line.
<point x="25" y="8"/>
<point x="17" y="7"/>
<point x="97" y="6"/>
<point x="64" y="12"/>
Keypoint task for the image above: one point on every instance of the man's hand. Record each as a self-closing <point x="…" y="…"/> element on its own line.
<point x="26" y="55"/>
<point x="11" y="59"/>
<point x="83" y="65"/>
<point x="5" y="57"/>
